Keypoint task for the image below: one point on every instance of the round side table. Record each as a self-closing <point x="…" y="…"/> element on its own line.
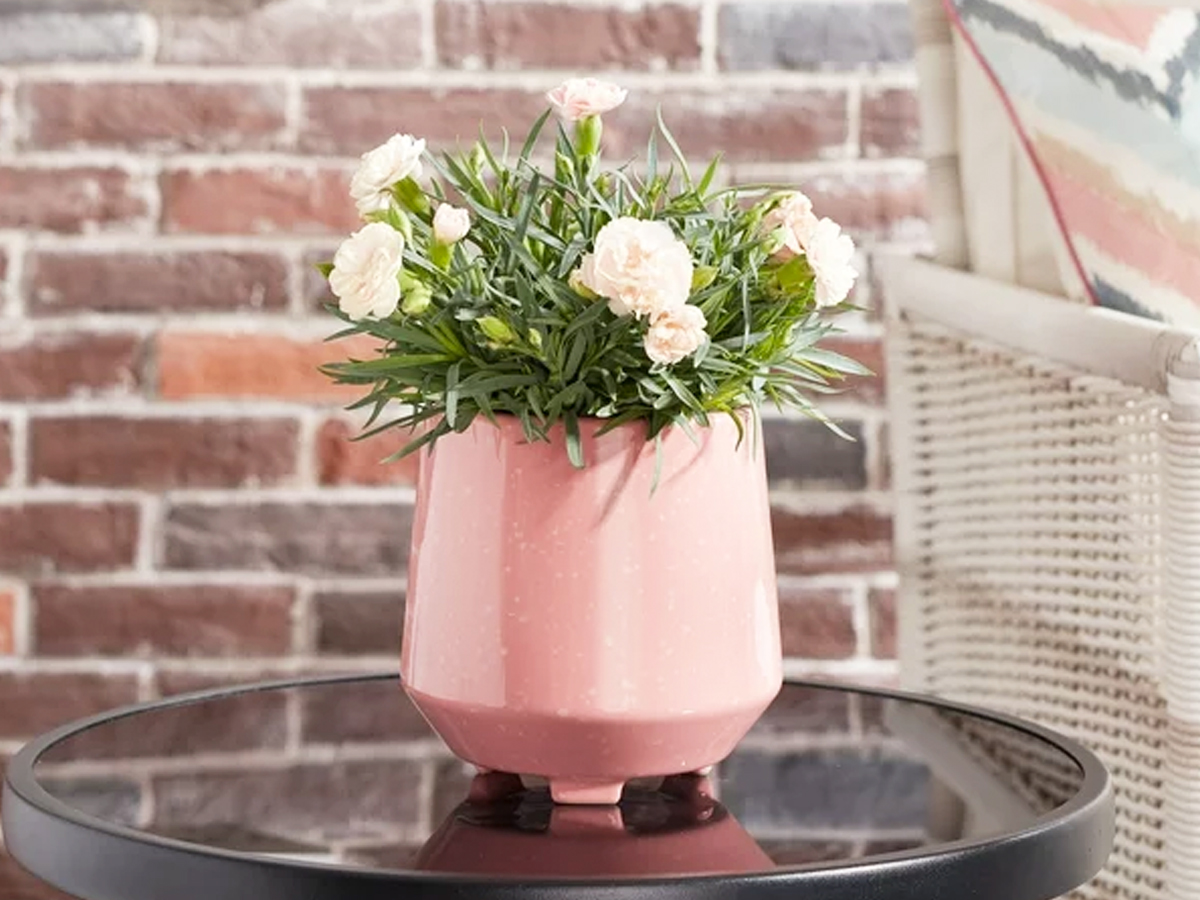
<point x="333" y="787"/>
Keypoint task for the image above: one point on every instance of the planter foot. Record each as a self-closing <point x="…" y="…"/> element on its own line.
<point x="579" y="793"/>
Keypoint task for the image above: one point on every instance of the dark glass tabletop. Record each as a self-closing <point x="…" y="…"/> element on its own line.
<point x="340" y="790"/>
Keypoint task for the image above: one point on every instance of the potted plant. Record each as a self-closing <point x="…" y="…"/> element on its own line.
<point x="580" y="354"/>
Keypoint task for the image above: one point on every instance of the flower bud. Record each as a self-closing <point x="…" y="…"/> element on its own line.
<point x="416" y="301"/>
<point x="450" y="224"/>
<point x="496" y="330"/>
<point x="703" y="276"/>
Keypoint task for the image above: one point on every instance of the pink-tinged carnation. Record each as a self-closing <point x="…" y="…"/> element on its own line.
<point x="675" y="334"/>
<point x="794" y="215"/>
<point x="640" y="267"/>
<point x="366" y="270"/>
<point x="831" y="257"/>
<point x="578" y="98"/>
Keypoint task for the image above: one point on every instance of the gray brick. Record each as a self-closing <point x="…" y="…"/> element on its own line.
<point x="28" y="36"/>
<point x="825" y="790"/>
<point x="351" y="623"/>
<point x="763" y="35"/>
<point x="310" y="538"/>
<point x="347" y="800"/>
<point x="803" y="452"/>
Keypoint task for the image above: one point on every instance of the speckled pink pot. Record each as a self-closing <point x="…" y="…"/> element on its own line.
<point x="575" y="625"/>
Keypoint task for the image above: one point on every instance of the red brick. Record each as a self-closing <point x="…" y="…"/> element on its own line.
<point x="367" y="36"/>
<point x="250" y="721"/>
<point x="870" y="389"/>
<point x="68" y="200"/>
<point x="855" y="540"/>
<point x="3" y="277"/>
<point x="816" y="623"/>
<point x="153" y="116"/>
<point x="37" y="702"/>
<point x="62" y="282"/>
<point x="111" y="451"/>
<point x="883" y="623"/>
<point x="55" y="366"/>
<point x="45" y="537"/>
<point x="368" y="538"/>
<point x="363" y="797"/>
<point x="891" y="123"/>
<point x="200" y="620"/>
<point x="315" y="290"/>
<point x="880" y="205"/>
<point x="258" y="201"/>
<point x="751" y="125"/>
<point x="8" y="624"/>
<point x="352" y="120"/>
<point x="804" y="453"/>
<point x="341" y="460"/>
<point x="192" y="365"/>
<point x="546" y="35"/>
<point x="377" y="711"/>
<point x="799" y="709"/>
<point x="356" y="623"/>
<point x="6" y="453"/>
<point x="756" y="125"/>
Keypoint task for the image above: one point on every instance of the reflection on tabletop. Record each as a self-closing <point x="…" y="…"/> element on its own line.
<point x="348" y="774"/>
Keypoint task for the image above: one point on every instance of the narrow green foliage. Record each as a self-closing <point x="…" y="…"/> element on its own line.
<point x="494" y="326"/>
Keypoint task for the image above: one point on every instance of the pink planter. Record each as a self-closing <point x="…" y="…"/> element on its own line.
<point x="575" y="625"/>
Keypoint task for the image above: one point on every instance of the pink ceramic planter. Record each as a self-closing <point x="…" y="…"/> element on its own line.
<point x="575" y="624"/>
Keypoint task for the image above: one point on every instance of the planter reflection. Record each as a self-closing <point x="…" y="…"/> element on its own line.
<point x="502" y="829"/>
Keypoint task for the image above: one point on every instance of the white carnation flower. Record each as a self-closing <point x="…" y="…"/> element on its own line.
<point x="675" y="334"/>
<point x="366" y="270"/>
<point x="383" y="167"/>
<point x="639" y="266"/>
<point x="795" y="216"/>
<point x="831" y="257"/>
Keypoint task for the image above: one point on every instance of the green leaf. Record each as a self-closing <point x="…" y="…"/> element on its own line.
<point x="652" y="157"/>
<point x="452" y="393"/>
<point x="706" y="179"/>
<point x="674" y="145"/>
<point x="574" y="440"/>
<point x="534" y="133"/>
<point x="579" y="345"/>
<point x="531" y="199"/>
<point x="390" y="363"/>
<point x="836" y="361"/>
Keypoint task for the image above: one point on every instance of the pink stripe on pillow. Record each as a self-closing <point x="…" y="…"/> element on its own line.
<point x="1133" y="24"/>
<point x="1124" y="235"/>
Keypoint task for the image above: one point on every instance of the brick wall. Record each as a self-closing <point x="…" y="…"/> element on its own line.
<point x="178" y="499"/>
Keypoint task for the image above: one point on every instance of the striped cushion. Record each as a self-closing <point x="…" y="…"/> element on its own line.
<point x="1107" y="100"/>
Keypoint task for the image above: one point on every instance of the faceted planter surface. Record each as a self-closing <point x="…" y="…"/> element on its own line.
<point x="583" y="625"/>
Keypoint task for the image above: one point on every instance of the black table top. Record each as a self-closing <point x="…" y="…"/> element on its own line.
<point x="339" y="790"/>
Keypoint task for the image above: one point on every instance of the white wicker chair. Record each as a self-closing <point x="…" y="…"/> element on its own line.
<point x="1047" y="470"/>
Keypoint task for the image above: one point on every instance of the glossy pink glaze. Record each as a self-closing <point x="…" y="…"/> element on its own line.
<point x="571" y="623"/>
